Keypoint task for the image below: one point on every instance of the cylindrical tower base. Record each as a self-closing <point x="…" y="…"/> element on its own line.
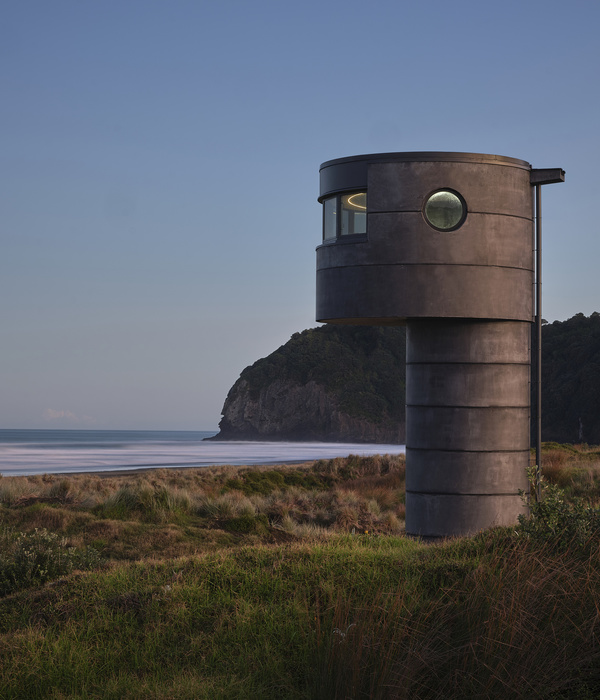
<point x="467" y="424"/>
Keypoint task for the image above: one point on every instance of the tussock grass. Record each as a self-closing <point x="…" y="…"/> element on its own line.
<point x="130" y="516"/>
<point x="227" y="505"/>
<point x="13" y="490"/>
<point x="349" y="616"/>
<point x="574" y="468"/>
<point x="146" y="501"/>
<point x="296" y="582"/>
<point x="522" y="623"/>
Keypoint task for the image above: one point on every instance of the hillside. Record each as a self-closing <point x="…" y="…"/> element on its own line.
<point x="333" y="383"/>
<point x="347" y="383"/>
<point x="571" y="380"/>
<point x="292" y="582"/>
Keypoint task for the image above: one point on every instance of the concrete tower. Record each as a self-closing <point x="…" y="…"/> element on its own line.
<point x="442" y="242"/>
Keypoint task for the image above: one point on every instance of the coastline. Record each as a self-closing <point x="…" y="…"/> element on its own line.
<point x="29" y="453"/>
<point x="137" y="471"/>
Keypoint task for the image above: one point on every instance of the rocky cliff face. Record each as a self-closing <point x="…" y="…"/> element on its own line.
<point x="283" y="410"/>
<point x="347" y="384"/>
<point x="333" y="383"/>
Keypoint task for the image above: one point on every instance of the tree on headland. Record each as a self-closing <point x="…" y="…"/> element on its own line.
<point x="571" y="380"/>
<point x="348" y="383"/>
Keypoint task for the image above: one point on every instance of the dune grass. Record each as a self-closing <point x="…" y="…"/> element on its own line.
<point x="172" y="513"/>
<point x="289" y="582"/>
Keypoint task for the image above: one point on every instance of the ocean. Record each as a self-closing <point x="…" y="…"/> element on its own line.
<point x="25" y="452"/>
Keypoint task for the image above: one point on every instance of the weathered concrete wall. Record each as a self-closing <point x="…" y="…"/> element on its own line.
<point x="467" y="438"/>
<point x="466" y="296"/>
<point x="406" y="269"/>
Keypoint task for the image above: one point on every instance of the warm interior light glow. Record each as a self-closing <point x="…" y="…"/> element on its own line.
<point x="353" y="203"/>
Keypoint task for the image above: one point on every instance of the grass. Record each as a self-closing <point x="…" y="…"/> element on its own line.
<point x="236" y="583"/>
<point x="173" y="513"/>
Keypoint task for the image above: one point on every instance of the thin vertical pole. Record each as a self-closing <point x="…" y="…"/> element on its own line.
<point x="538" y="328"/>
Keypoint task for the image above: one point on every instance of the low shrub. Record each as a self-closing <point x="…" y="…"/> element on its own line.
<point x="260" y="482"/>
<point x="304" y="480"/>
<point x="247" y="524"/>
<point x="30" y="559"/>
<point x="266" y="482"/>
<point x="562" y="522"/>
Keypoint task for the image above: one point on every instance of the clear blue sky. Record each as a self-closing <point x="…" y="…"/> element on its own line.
<point x="160" y="173"/>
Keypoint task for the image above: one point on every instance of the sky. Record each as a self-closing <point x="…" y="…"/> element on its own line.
<point x="159" y="175"/>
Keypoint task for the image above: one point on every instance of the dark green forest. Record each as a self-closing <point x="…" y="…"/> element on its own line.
<point x="364" y="368"/>
<point x="571" y="380"/>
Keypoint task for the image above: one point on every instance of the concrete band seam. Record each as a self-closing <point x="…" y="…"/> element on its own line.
<point x="424" y="264"/>
<point x="469" y="213"/>
<point x="471" y="362"/>
<point x="461" y="493"/>
<point x="473" y="452"/>
<point x="465" y="406"/>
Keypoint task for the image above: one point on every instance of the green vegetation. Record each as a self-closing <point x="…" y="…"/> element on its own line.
<point x="171" y="513"/>
<point x="362" y="367"/>
<point x="558" y="521"/>
<point x="30" y="559"/>
<point x="363" y="370"/>
<point x="571" y="379"/>
<point x="294" y="582"/>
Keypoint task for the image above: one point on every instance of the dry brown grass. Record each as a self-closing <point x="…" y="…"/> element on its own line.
<point x="491" y="616"/>
<point x="350" y="494"/>
<point x="135" y="514"/>
<point x="574" y="468"/>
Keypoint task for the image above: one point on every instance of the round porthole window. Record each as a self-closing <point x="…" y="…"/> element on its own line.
<point x="445" y="210"/>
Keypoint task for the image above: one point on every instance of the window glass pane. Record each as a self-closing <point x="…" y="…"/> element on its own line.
<point x="329" y="218"/>
<point x="354" y="213"/>
<point x="444" y="210"/>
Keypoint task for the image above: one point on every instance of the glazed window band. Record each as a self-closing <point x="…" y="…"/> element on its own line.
<point x="344" y="215"/>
